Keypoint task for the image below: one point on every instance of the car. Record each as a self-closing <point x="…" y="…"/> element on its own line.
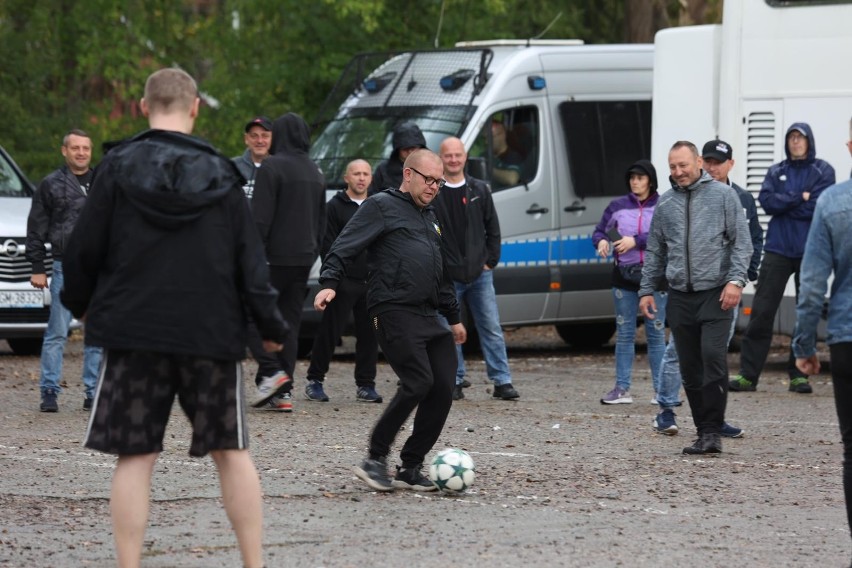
<point x="24" y="310"/>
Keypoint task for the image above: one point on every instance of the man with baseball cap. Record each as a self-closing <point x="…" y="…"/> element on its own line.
<point x="789" y="194"/>
<point x="258" y="139"/>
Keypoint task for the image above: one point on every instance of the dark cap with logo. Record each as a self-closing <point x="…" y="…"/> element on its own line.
<point x="261" y="121"/>
<point x="718" y="150"/>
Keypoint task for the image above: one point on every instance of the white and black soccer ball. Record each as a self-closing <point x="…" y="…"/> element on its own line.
<point x="452" y="470"/>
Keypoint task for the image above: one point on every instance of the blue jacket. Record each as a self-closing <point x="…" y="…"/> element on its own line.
<point x="828" y="248"/>
<point x="781" y="197"/>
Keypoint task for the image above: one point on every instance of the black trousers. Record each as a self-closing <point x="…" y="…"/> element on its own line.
<point x="292" y="285"/>
<point x="422" y="352"/>
<point x="700" y="327"/>
<point x="841" y="378"/>
<point x="351" y="298"/>
<point x="775" y="271"/>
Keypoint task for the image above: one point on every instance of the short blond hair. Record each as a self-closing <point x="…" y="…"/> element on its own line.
<point x="169" y="90"/>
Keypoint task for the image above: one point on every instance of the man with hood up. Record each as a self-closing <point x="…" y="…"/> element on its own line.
<point x="407" y="138"/>
<point x="789" y="194"/>
<point x="164" y="263"/>
<point x="289" y="209"/>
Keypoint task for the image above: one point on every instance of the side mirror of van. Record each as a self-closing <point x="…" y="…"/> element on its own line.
<point x="476" y="167"/>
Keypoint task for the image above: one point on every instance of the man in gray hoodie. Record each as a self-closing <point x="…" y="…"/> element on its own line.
<point x="699" y="241"/>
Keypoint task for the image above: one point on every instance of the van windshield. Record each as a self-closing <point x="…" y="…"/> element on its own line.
<point x="367" y="133"/>
<point x="11" y="183"/>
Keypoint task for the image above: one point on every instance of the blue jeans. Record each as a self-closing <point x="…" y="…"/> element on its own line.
<point x="55" y="337"/>
<point x="626" y="312"/>
<point x="670" y="377"/>
<point x="482" y="303"/>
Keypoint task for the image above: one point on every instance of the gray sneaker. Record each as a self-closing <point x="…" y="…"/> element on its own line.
<point x="269" y="387"/>
<point x="412" y="479"/>
<point x="374" y="473"/>
<point x="617" y="396"/>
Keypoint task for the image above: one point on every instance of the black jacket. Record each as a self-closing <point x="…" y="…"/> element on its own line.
<point x="165" y="255"/>
<point x="55" y="208"/>
<point x="248" y="170"/>
<point x="404" y="259"/>
<point x="339" y="211"/>
<point x="388" y="173"/>
<point x="289" y="196"/>
<point x="481" y="236"/>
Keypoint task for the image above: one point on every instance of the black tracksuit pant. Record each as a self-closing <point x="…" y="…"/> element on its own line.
<point x="701" y="328"/>
<point x="841" y="378"/>
<point x="422" y="352"/>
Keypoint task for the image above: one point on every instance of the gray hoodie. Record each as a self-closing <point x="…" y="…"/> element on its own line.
<point x="699" y="238"/>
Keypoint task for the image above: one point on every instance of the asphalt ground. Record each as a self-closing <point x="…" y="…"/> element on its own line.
<point x="561" y="479"/>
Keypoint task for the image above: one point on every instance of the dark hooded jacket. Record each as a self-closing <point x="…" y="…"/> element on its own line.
<point x="165" y="256"/>
<point x="289" y="196"/>
<point x="781" y="197"/>
<point x="389" y="172"/>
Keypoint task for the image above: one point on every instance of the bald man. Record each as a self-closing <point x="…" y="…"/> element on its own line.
<point x="351" y="297"/>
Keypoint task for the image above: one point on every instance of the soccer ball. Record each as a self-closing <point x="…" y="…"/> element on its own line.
<point x="452" y="470"/>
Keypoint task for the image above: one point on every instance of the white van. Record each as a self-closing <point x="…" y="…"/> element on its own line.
<point x="24" y="311"/>
<point x="576" y="116"/>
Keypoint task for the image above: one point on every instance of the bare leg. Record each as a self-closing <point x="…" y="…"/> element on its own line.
<point x="243" y="502"/>
<point x="129" y="502"/>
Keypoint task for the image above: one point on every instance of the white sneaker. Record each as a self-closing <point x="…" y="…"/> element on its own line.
<point x="269" y="387"/>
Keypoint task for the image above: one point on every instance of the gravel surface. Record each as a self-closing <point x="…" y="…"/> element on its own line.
<point x="561" y="479"/>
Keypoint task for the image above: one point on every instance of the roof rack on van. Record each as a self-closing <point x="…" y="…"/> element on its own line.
<point x="518" y="42"/>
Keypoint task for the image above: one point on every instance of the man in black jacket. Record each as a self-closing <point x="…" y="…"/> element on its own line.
<point x="258" y="139"/>
<point x="164" y="263"/>
<point x="351" y="297"/>
<point x="407" y="138"/>
<point x="408" y="288"/>
<point x="55" y="208"/>
<point x="472" y="246"/>
<point x="289" y="209"/>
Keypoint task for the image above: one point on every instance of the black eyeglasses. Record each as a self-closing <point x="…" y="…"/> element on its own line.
<point x="439" y="183"/>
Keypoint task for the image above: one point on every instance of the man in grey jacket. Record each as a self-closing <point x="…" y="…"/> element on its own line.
<point x="700" y="243"/>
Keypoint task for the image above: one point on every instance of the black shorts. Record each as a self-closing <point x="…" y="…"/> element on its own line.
<point x="136" y="391"/>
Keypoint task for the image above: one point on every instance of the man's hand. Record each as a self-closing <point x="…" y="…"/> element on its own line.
<point x="39" y="281"/>
<point x="648" y="306"/>
<point x="322" y="299"/>
<point x="808" y="365"/>
<point x="459" y="333"/>
<point x="272" y="347"/>
<point x="730" y="297"/>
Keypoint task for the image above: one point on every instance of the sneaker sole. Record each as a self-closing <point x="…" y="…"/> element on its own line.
<point x="48" y="410"/>
<point x="308" y="397"/>
<point x="399" y="484"/>
<point x="740" y="435"/>
<point x="377" y="400"/>
<point x="670" y="431"/>
<point x="282" y="385"/>
<point x="362" y="475"/>
<point x="278" y="408"/>
<point x="618" y="401"/>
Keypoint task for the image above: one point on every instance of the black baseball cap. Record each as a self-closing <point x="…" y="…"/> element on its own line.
<point x="718" y="150"/>
<point x="261" y="121"/>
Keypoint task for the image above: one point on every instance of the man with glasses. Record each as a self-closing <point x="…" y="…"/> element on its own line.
<point x="409" y="288"/>
<point x="789" y="194"/>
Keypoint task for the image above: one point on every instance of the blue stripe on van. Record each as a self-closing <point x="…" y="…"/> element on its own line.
<point x="571" y="249"/>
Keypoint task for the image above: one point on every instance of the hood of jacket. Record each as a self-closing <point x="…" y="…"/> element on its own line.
<point x="290" y="133"/>
<point x="406" y="135"/>
<point x="647" y="168"/>
<point x="171" y="177"/>
<point x="806" y="128"/>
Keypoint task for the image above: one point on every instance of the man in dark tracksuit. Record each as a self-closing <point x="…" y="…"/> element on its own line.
<point x="351" y="297"/>
<point x="408" y="287"/>
<point x="407" y="138"/>
<point x="699" y="241"/>
<point x="289" y="208"/>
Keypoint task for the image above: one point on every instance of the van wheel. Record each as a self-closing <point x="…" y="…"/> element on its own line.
<point x="25" y="345"/>
<point x="587" y="335"/>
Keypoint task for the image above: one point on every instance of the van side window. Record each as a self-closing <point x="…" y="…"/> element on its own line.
<point x="506" y="151"/>
<point x="603" y="139"/>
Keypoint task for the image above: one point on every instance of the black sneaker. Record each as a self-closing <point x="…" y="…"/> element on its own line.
<point x="465" y="384"/>
<point x="367" y="394"/>
<point x="48" y="402"/>
<point x="800" y="385"/>
<point x="705" y="444"/>
<point x="458" y="393"/>
<point x="315" y="392"/>
<point x="506" y="392"/>
<point x="87" y="403"/>
<point x="741" y="384"/>
<point x="374" y="473"/>
<point x="411" y="478"/>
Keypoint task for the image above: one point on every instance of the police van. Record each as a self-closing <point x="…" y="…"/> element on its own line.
<point x="573" y="118"/>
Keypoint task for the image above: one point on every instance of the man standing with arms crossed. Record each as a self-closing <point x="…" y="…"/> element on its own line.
<point x="55" y="208"/>
<point x="471" y="234"/>
<point x="699" y="241"/>
<point x="351" y="297"/>
<point x="408" y="290"/>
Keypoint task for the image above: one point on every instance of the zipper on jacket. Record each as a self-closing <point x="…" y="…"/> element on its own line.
<point x="686" y="244"/>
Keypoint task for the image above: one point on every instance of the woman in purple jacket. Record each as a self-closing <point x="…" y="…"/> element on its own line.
<point x="623" y="232"/>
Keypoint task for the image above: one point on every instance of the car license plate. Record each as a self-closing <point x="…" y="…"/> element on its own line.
<point x="21" y="299"/>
